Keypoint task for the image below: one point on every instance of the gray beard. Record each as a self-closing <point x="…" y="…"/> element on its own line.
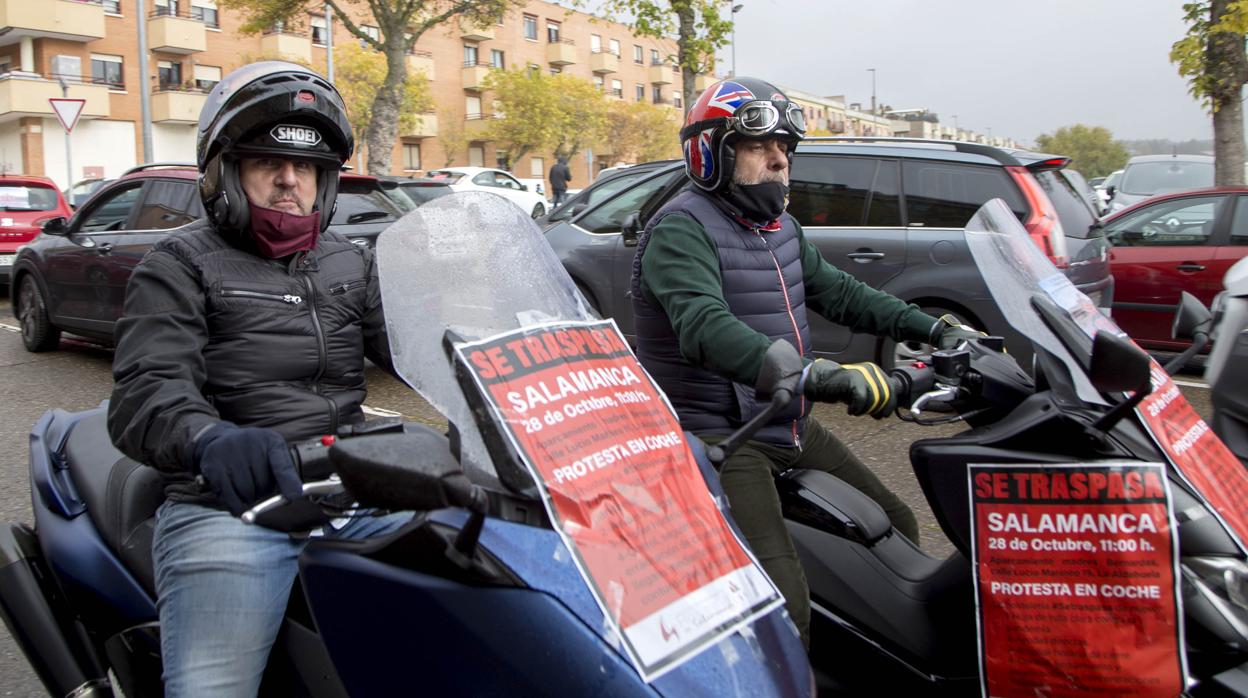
<point x="768" y="176"/>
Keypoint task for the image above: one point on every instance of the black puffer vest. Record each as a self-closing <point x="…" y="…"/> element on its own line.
<point x="762" y="284"/>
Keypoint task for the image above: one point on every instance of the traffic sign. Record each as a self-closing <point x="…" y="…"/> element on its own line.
<point x="67" y="110"/>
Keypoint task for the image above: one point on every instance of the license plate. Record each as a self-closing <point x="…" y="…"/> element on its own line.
<point x="6" y="260"/>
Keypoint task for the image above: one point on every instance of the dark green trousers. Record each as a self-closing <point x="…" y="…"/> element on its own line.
<point x="747" y="478"/>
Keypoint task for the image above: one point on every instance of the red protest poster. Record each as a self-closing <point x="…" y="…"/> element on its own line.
<point x="621" y="486"/>
<point x="1076" y="569"/>
<point x="1197" y="453"/>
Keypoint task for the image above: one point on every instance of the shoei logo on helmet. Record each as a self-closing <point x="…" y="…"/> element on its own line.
<point x="295" y="135"/>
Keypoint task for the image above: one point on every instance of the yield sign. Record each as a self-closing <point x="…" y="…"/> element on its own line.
<point x="67" y="110"/>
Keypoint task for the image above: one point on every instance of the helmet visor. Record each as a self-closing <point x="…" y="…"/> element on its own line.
<point x="761" y="118"/>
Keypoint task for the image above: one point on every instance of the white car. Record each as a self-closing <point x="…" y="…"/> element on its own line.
<point x="494" y="181"/>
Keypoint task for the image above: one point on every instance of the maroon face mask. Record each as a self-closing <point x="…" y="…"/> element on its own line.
<point x="278" y="233"/>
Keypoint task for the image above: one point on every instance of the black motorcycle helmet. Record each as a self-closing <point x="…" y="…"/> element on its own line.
<point x="727" y="111"/>
<point x="272" y="108"/>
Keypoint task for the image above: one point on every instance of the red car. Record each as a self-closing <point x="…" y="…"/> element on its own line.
<point x="27" y="202"/>
<point x="1182" y="241"/>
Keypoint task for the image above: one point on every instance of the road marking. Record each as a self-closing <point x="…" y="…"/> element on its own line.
<point x="9" y="328"/>
<point x="379" y="412"/>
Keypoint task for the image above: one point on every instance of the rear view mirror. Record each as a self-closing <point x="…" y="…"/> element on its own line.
<point x="411" y="471"/>
<point x="1191" y="318"/>
<point x="630" y="228"/>
<point x="56" y="226"/>
<point x="576" y="209"/>
<point x="1118" y="365"/>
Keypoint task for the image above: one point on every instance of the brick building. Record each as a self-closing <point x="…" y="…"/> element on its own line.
<point x="92" y="45"/>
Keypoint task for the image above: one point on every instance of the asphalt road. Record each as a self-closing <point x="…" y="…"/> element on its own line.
<point x="78" y="377"/>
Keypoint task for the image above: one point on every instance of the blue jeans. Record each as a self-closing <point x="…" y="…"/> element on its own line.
<point x="222" y="588"/>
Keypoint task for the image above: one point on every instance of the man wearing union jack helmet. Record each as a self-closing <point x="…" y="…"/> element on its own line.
<point x="720" y="273"/>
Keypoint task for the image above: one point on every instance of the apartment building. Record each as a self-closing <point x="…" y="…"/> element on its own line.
<point x="91" y="47"/>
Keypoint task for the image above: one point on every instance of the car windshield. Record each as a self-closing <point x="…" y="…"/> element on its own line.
<point x="27" y="197"/>
<point x="363" y="201"/>
<point x="444" y="176"/>
<point x="1149" y="178"/>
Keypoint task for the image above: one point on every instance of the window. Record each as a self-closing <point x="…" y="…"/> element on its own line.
<point x="112" y="6"/>
<point x="552" y="32"/>
<point x="946" y="195"/>
<point x="676" y="101"/>
<point x="167" y="205"/>
<point x="534" y="69"/>
<point x="555" y="70"/>
<point x="411" y="156"/>
<point x="363" y="201"/>
<point x="844" y="191"/>
<point x="502" y="159"/>
<point x="1074" y="212"/>
<point x="68" y="66"/>
<point x="497" y="59"/>
<point x="470" y="55"/>
<point x="599" y="83"/>
<point x="617" y="88"/>
<point x="1174" y="223"/>
<point x="205" y="11"/>
<point x="602" y="190"/>
<point x="371" y="32"/>
<point x="476" y="156"/>
<point x="637" y="55"/>
<point x="320" y="29"/>
<point x="530" y="27"/>
<point x="206" y="76"/>
<point x="27" y="197"/>
<point x="608" y="217"/>
<point x="111" y="210"/>
<point x="657" y="94"/>
<point x="595" y="43"/>
<point x="613" y="46"/>
<point x="107" y="70"/>
<point x="1153" y="177"/>
<point x="472" y="107"/>
<point x="641" y="93"/>
<point x="654" y="57"/>
<point x="169" y="74"/>
<point x="165" y="7"/>
<point x="537" y="167"/>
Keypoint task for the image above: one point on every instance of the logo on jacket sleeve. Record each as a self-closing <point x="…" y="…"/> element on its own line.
<point x="295" y="135"/>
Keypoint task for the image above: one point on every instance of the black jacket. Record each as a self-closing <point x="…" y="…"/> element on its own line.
<point x="560" y="175"/>
<point x="213" y="332"/>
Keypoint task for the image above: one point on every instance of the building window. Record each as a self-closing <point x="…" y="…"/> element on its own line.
<point x="371" y="32"/>
<point x="411" y="156"/>
<point x="555" y="70"/>
<point x="654" y="57"/>
<point x="637" y="55"/>
<point x="206" y="76"/>
<point x="106" y="70"/>
<point x="320" y="28"/>
<point x="676" y="101"/>
<point x="169" y="74"/>
<point x="617" y="89"/>
<point x="552" y="32"/>
<point x="641" y="93"/>
<point x="599" y="83"/>
<point x="614" y="47"/>
<point x="470" y="55"/>
<point x="472" y="108"/>
<point x="205" y="11"/>
<point x="112" y="6"/>
<point x="497" y="59"/>
<point x="658" y="94"/>
<point x="502" y="159"/>
<point x="537" y="167"/>
<point x="165" y="7"/>
<point x="476" y="156"/>
<point x="595" y="43"/>
<point x="530" y="27"/>
<point x="67" y="66"/>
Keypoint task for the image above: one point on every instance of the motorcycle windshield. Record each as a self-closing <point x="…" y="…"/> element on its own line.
<point x="1016" y="273"/>
<point x="473" y="264"/>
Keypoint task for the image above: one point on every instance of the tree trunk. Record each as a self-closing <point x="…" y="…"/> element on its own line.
<point x="1228" y="66"/>
<point x="688" y="74"/>
<point x="383" y="129"/>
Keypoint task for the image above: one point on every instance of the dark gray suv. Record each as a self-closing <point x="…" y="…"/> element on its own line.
<point x="889" y="211"/>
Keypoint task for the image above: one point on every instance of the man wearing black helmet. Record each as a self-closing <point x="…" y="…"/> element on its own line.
<point x="241" y="333"/>
<point x="720" y="273"/>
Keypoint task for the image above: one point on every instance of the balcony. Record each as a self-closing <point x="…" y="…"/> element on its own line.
<point x="471" y="32"/>
<point x="27" y="94"/>
<point x="176" y="33"/>
<point x="473" y="76"/>
<point x="176" y="105"/>
<point x="477" y="126"/>
<point x="427" y="128"/>
<point x="51" y="19"/>
<point x="421" y="62"/>
<point x="661" y="73"/>
<point x="287" y="44"/>
<point x="604" y="62"/>
<point x="561" y="52"/>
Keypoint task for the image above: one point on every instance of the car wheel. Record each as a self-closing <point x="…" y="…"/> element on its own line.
<point x="38" y="333"/>
<point x="538" y="210"/>
<point x="890" y="353"/>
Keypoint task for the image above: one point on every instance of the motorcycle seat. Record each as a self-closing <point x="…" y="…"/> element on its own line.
<point x="121" y="494"/>
<point x="828" y="502"/>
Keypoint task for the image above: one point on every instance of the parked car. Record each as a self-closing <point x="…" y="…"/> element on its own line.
<point x="1146" y="175"/>
<point x="891" y="212"/>
<point x="82" y="190"/>
<point x="417" y="190"/>
<point x="1102" y="187"/>
<point x="494" y="181"/>
<point x="73" y="277"/>
<point x="26" y="203"/>
<point x="1183" y="241"/>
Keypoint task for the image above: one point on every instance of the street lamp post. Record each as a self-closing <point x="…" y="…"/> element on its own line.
<point x="735" y="10"/>
<point x="872" y="71"/>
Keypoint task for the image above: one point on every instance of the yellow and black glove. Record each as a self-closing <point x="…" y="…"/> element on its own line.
<point x="864" y="387"/>
<point x="950" y="333"/>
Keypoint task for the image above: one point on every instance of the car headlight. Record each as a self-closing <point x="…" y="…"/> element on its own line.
<point x="1223" y="583"/>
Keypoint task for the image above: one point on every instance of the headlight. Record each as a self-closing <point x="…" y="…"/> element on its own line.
<point x="1223" y="582"/>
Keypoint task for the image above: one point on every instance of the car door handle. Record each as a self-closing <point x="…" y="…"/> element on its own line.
<point x="865" y="255"/>
<point x="104" y="248"/>
<point x="1190" y="266"/>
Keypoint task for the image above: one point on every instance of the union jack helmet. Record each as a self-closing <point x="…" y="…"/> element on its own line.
<point x="729" y="110"/>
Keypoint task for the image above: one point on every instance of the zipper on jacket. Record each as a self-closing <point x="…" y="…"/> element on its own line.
<point x="322" y="352"/>
<point x="788" y="307"/>
<point x="288" y="298"/>
<point x="339" y="289"/>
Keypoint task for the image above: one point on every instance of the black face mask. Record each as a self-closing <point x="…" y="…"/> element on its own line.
<point x="759" y="203"/>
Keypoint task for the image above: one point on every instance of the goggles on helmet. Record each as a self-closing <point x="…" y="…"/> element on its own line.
<point x="756" y="119"/>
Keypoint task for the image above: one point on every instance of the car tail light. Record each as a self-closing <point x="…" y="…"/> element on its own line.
<point x="1042" y="223"/>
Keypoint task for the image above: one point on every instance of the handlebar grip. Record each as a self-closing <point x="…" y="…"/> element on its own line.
<point x="909" y="382"/>
<point x="311" y="458"/>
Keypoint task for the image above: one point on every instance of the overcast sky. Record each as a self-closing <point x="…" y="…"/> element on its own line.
<point x="1020" y="67"/>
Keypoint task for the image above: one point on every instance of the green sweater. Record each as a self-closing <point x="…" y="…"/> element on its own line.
<point x="680" y="272"/>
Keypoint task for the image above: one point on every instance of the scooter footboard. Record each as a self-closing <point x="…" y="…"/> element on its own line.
<point x="37" y="618"/>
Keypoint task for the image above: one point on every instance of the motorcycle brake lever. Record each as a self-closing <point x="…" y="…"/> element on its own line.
<point x="330" y="485"/>
<point x="942" y="392"/>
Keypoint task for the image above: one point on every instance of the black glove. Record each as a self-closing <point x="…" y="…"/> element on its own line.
<point x="949" y="333"/>
<point x="243" y="465"/>
<point x="863" y="387"/>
